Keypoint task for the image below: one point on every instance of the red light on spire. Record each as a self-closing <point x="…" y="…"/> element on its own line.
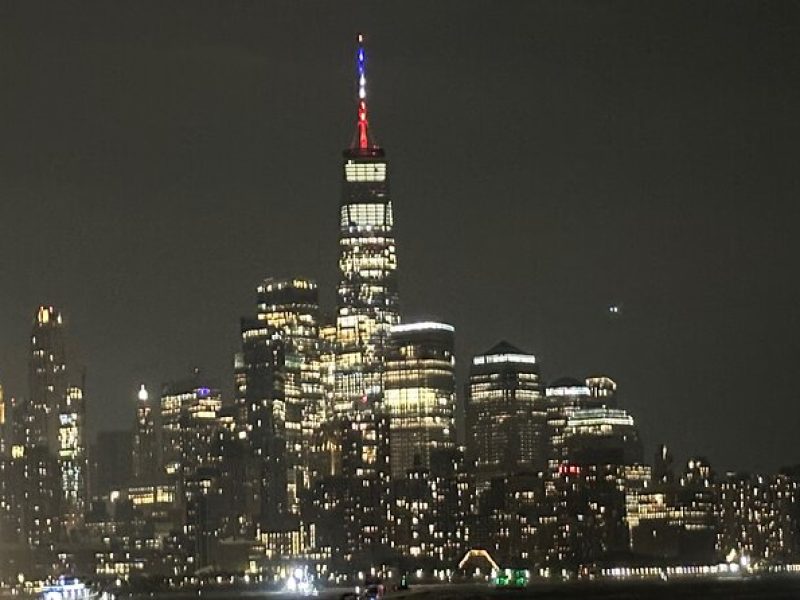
<point x="363" y="140"/>
<point x="363" y="123"/>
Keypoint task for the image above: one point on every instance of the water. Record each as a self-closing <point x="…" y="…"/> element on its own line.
<point x="750" y="589"/>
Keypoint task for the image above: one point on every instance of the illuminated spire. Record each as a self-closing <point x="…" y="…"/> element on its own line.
<point x="363" y="123"/>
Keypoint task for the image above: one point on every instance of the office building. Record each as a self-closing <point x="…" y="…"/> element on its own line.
<point x="505" y="414"/>
<point x="419" y="394"/>
<point x="189" y="411"/>
<point x="291" y="307"/>
<point x="564" y="397"/>
<point x="602" y="436"/>
<point x="367" y="295"/>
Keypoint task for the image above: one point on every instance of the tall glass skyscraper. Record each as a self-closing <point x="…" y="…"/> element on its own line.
<point x="291" y="307"/>
<point x="420" y="394"/>
<point x="367" y="305"/>
<point x="189" y="412"/>
<point x="505" y="414"/>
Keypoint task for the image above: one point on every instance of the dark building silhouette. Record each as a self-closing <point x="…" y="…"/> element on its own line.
<point x="506" y="414"/>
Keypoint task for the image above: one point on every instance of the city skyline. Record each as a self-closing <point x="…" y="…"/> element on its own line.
<point x="562" y="318"/>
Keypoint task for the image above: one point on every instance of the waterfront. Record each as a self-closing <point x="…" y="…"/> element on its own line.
<point x="739" y="589"/>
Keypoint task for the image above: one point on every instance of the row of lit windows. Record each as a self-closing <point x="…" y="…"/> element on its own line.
<point x="364" y="171"/>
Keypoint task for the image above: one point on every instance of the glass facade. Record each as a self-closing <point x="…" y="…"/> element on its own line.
<point x="367" y="294"/>
<point x="72" y="456"/>
<point x="291" y="307"/>
<point x="505" y="414"/>
<point x="189" y="412"/>
<point x="419" y="395"/>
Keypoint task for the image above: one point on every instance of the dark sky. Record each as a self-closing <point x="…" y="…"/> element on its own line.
<point x="548" y="159"/>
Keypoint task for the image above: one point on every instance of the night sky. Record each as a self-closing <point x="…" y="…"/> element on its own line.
<point x="548" y="160"/>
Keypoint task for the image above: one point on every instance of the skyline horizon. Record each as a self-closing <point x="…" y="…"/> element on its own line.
<point x="614" y="188"/>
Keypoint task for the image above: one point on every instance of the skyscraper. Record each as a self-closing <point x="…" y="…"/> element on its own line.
<point x="602" y="436"/>
<point x="261" y="413"/>
<point x="505" y="414"/>
<point x="291" y="307"/>
<point x="367" y="296"/>
<point x="44" y="490"/>
<point x="145" y="448"/>
<point x="189" y="411"/>
<point x="72" y="459"/>
<point x="419" y="394"/>
<point x="367" y="308"/>
<point x="565" y="397"/>
<point x="47" y="379"/>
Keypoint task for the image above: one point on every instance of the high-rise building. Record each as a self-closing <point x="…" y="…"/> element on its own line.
<point x="602" y="436"/>
<point x="41" y="497"/>
<point x="72" y="459"/>
<point x="564" y="397"/>
<point x="419" y="394"/>
<point x="47" y="379"/>
<point x="291" y="307"/>
<point x="261" y="414"/>
<point x="367" y="296"/>
<point x="367" y="307"/>
<point x="505" y="414"/>
<point x="603" y="388"/>
<point x="189" y="411"/>
<point x="145" y="445"/>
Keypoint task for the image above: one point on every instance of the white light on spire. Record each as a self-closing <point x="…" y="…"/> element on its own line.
<point x="143" y="395"/>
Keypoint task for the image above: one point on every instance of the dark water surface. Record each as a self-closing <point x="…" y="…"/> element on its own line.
<point x="774" y="589"/>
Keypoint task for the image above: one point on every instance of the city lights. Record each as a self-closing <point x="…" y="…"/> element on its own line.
<point x="342" y="446"/>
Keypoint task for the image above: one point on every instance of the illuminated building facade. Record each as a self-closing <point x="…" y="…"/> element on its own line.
<point x="189" y="411"/>
<point x="696" y="515"/>
<point x="564" y="397"/>
<point x="72" y="460"/>
<point x="419" y="394"/>
<point x="602" y="388"/>
<point x="367" y="296"/>
<point x="758" y="518"/>
<point x="41" y="497"/>
<point x="145" y="444"/>
<point x="366" y="472"/>
<point x="582" y="520"/>
<point x="429" y="512"/>
<point x="599" y="436"/>
<point x="291" y="307"/>
<point x="47" y="379"/>
<point x="261" y="414"/>
<point x="505" y="414"/>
